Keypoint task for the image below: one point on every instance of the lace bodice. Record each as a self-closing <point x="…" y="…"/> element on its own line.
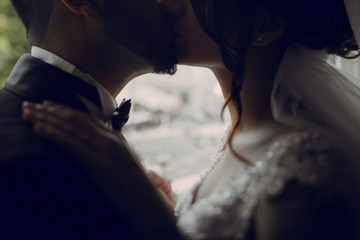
<point x="302" y="156"/>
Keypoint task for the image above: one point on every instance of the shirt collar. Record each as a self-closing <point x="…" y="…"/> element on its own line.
<point x="107" y="101"/>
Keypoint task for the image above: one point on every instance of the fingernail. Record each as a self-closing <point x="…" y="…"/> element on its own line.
<point x="48" y="103"/>
<point x="27" y="104"/>
<point x="28" y="114"/>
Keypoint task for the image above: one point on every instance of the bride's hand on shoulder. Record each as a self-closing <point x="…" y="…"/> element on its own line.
<point x="77" y="132"/>
<point x="105" y="155"/>
<point x="164" y="188"/>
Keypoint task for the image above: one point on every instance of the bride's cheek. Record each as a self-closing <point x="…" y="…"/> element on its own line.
<point x="196" y="48"/>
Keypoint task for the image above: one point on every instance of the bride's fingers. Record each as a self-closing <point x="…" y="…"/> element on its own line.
<point x="74" y="144"/>
<point x="91" y="138"/>
<point x="103" y="135"/>
<point x="69" y="113"/>
<point x="52" y="121"/>
<point x="74" y="125"/>
<point x="62" y="131"/>
<point x="79" y="143"/>
<point x="61" y="116"/>
<point x="161" y="184"/>
<point x="55" y="110"/>
<point x="41" y="116"/>
<point x="74" y="117"/>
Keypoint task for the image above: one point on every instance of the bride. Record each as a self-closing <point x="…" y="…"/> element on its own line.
<point x="287" y="168"/>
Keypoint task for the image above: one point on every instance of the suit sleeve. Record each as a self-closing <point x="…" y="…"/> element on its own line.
<point x="48" y="195"/>
<point x="45" y="194"/>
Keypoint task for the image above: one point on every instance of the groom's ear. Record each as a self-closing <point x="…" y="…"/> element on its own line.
<point x="87" y="8"/>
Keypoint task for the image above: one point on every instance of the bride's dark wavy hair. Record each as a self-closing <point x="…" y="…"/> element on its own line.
<point x="315" y="24"/>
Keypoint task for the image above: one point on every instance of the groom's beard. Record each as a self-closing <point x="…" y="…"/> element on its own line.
<point x="162" y="59"/>
<point x="145" y="41"/>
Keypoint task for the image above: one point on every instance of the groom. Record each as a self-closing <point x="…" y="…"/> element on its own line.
<point x="83" y="53"/>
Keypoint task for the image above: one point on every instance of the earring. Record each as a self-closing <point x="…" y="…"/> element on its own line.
<point x="260" y="39"/>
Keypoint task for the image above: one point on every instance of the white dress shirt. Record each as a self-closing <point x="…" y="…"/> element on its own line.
<point x="108" y="103"/>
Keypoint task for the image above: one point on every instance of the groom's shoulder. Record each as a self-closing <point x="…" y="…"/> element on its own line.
<point x="17" y="138"/>
<point x="26" y="157"/>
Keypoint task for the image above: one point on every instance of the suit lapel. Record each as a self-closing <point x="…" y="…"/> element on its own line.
<point x="36" y="81"/>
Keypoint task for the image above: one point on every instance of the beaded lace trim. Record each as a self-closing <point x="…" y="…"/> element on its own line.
<point x="302" y="156"/>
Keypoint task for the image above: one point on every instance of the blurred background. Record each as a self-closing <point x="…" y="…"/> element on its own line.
<point x="12" y="40"/>
<point x="175" y="124"/>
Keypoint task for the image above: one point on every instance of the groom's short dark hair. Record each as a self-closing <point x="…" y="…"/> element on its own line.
<point x="35" y="15"/>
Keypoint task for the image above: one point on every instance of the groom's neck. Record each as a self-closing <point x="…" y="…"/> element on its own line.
<point x="111" y="65"/>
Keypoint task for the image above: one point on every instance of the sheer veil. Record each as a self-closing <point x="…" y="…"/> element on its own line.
<point x="353" y="11"/>
<point x="309" y="93"/>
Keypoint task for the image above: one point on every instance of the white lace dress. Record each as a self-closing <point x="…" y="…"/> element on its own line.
<point x="226" y="211"/>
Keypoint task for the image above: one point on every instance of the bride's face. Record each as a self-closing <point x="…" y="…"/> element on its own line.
<point x="196" y="48"/>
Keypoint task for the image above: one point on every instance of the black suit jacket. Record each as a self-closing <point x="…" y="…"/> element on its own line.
<point x="43" y="192"/>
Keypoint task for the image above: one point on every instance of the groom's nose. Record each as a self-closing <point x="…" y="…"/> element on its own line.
<point x="177" y="8"/>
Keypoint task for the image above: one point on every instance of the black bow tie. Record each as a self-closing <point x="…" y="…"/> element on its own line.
<point x="121" y="115"/>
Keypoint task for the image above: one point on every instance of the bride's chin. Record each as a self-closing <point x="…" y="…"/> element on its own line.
<point x="197" y="64"/>
<point x="199" y="61"/>
<point x="198" y="56"/>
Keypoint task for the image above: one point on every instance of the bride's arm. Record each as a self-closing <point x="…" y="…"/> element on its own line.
<point x="113" y="166"/>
